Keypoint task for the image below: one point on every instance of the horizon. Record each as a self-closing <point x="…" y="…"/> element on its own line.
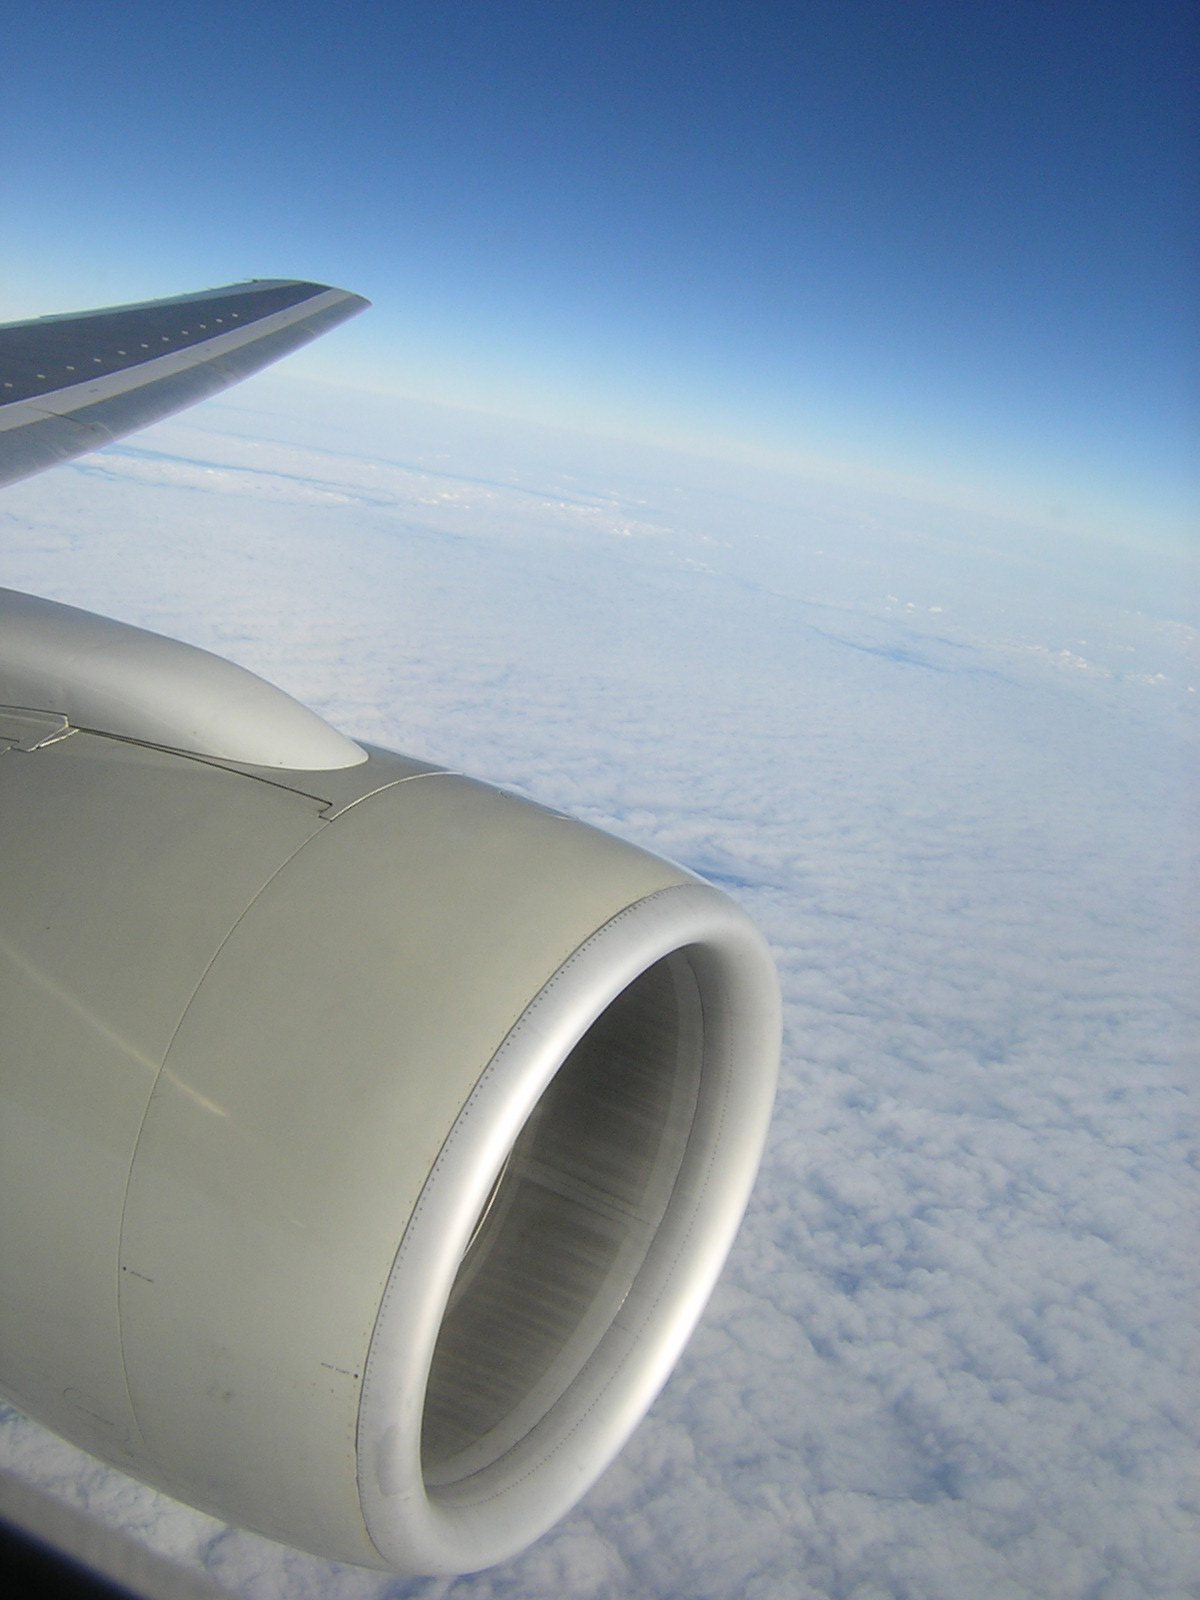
<point x="915" y="245"/>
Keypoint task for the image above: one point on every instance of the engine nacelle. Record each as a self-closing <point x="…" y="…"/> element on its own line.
<point x="370" y="1139"/>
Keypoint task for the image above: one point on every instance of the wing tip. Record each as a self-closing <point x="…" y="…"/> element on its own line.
<point x="349" y="303"/>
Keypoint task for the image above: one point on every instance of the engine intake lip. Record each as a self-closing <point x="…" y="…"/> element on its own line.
<point x="430" y="1517"/>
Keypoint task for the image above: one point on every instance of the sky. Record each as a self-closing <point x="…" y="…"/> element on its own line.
<point x="771" y="440"/>
<point x="951" y="247"/>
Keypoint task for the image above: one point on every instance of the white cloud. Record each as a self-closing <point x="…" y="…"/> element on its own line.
<point x="953" y="1353"/>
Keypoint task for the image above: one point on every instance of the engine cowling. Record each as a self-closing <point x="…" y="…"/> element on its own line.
<point x="370" y="1139"/>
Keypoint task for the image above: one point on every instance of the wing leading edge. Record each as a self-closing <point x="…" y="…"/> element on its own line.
<point x="74" y="383"/>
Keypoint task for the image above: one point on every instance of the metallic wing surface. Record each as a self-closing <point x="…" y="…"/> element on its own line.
<point x="73" y="383"/>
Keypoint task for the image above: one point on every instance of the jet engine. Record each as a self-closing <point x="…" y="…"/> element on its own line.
<point x="370" y="1138"/>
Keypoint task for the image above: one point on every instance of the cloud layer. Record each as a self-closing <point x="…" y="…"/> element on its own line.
<point x="949" y="770"/>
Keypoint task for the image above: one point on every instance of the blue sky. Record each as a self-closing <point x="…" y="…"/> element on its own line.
<point x="950" y="246"/>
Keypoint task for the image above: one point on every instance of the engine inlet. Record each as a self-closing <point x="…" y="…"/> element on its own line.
<point x="567" y="1226"/>
<point x="570" y="1233"/>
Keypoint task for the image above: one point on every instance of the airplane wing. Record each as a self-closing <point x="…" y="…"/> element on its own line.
<point x="73" y="383"/>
